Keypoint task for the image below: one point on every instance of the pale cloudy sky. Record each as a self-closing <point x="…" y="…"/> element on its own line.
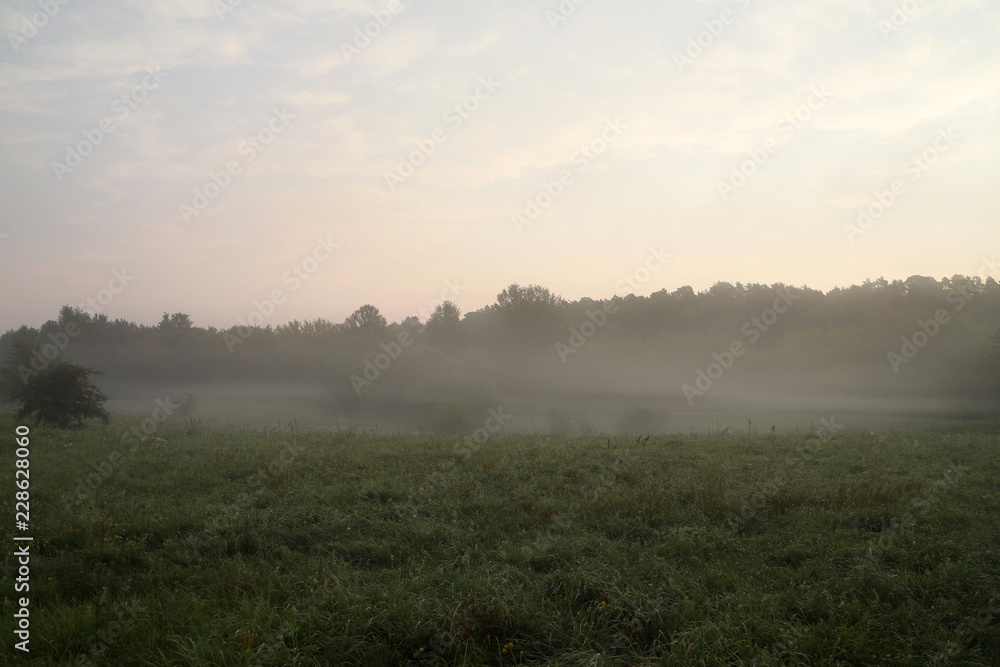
<point x="671" y="97"/>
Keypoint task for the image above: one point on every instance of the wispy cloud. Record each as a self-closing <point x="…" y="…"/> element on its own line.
<point x="356" y="115"/>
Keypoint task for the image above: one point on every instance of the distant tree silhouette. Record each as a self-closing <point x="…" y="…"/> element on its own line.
<point x="532" y="311"/>
<point x="443" y="327"/>
<point x="411" y="324"/>
<point x="529" y="300"/>
<point x="175" y="322"/>
<point x="23" y="363"/>
<point x="366" y="320"/>
<point x="69" y="315"/>
<point x="511" y="343"/>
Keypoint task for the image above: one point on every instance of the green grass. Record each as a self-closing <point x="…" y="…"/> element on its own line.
<point x="271" y="546"/>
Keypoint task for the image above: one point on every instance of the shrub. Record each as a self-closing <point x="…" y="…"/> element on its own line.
<point x="62" y="396"/>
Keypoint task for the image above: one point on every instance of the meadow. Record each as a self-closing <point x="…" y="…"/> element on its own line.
<point x="286" y="545"/>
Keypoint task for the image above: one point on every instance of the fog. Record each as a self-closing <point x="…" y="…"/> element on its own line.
<point x="732" y="358"/>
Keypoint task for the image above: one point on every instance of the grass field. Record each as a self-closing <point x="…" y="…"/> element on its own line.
<point x="282" y="546"/>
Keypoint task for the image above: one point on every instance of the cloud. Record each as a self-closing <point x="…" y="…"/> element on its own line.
<point x="354" y="117"/>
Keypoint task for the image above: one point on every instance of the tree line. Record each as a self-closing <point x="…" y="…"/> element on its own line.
<point x="919" y="336"/>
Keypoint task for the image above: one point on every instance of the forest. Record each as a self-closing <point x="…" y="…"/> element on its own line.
<point x="919" y="338"/>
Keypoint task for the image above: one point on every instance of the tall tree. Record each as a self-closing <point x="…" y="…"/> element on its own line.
<point x="443" y="327"/>
<point x="366" y="320"/>
<point x="176" y="322"/>
<point x="532" y="299"/>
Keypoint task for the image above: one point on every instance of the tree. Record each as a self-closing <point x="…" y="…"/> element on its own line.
<point x="69" y="315"/>
<point x="411" y="325"/>
<point x="529" y="316"/>
<point x="444" y="327"/>
<point x="23" y="364"/>
<point x="366" y="320"/>
<point x="176" y="322"/>
<point x="531" y="300"/>
<point x="51" y="390"/>
<point x="62" y="396"/>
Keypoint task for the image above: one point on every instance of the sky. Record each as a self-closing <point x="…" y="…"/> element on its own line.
<point x="299" y="159"/>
